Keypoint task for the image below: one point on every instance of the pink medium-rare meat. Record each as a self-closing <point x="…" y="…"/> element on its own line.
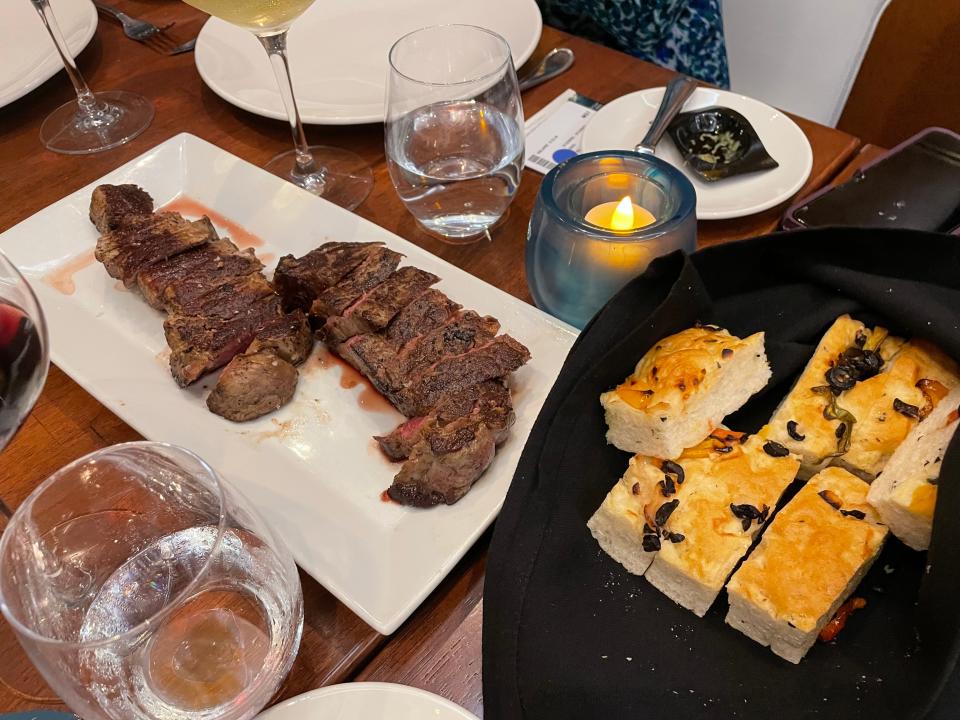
<point x="376" y="267"/>
<point x="148" y="240"/>
<point x="113" y="206"/>
<point x="374" y="310"/>
<point x="301" y="280"/>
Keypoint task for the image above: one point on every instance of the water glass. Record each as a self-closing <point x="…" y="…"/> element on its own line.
<point x="454" y="129"/>
<point x="141" y="586"/>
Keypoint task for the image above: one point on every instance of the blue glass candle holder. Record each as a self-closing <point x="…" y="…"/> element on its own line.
<point x="573" y="266"/>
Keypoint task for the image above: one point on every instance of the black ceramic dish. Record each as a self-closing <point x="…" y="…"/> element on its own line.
<point x="717" y="143"/>
<point x="568" y="633"/>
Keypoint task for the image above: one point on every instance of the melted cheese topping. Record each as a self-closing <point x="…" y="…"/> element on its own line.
<point x="677" y="367"/>
<point x="714" y="538"/>
<point x="811" y="552"/>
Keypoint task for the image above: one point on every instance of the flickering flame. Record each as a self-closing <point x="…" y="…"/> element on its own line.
<point x="622" y="218"/>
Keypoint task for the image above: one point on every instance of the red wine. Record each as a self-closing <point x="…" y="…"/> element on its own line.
<point x="21" y="368"/>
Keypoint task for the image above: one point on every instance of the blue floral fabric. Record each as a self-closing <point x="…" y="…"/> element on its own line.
<point x="683" y="35"/>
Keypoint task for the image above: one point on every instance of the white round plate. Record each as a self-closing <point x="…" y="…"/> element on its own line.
<point x="338" y="53"/>
<point x="621" y="124"/>
<point x="366" y="701"/>
<point x="28" y="57"/>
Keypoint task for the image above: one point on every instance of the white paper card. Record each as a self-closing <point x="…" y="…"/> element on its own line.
<point x="553" y="134"/>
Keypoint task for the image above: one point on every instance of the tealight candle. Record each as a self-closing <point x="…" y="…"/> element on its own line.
<point x="623" y="215"/>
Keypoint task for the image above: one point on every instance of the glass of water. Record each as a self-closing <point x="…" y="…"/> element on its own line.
<point x="143" y="587"/>
<point x="454" y="129"/>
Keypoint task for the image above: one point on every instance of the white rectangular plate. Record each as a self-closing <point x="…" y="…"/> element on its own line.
<point x="312" y="467"/>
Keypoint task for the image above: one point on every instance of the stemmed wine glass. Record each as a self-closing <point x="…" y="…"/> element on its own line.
<point x="340" y="176"/>
<point x="24" y="362"/>
<point x="94" y="121"/>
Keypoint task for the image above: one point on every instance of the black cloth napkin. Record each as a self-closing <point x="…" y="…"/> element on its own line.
<point x="568" y="633"/>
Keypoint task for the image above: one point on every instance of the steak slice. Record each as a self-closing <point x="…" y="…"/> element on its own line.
<point x="374" y="358"/>
<point x="428" y="312"/>
<point x="112" y="206"/>
<point x="444" y="466"/>
<point x="495" y="359"/>
<point x="227" y="300"/>
<point x="289" y="336"/>
<point x="488" y="402"/>
<point x="376" y="267"/>
<point x="466" y="331"/>
<point x="147" y="240"/>
<point x="252" y="385"/>
<point x="181" y="279"/>
<point x="374" y="310"/>
<point x="200" y="344"/>
<point x="301" y="280"/>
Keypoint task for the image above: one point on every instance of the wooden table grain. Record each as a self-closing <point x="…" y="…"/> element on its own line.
<point x="439" y="647"/>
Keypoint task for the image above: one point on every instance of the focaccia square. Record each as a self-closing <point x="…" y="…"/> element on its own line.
<point x="694" y="517"/>
<point x="905" y="494"/>
<point x="810" y="559"/>
<point x="681" y="390"/>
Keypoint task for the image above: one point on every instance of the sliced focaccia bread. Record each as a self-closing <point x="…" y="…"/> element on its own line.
<point x="905" y="495"/>
<point x="682" y="389"/>
<point x="732" y="483"/>
<point x="884" y="409"/>
<point x="813" y="555"/>
<point x="812" y="420"/>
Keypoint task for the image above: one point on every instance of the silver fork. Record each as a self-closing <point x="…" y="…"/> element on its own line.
<point x="133" y="28"/>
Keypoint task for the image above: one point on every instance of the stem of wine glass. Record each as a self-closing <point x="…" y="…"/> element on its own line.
<point x="85" y="98"/>
<point x="276" y="47"/>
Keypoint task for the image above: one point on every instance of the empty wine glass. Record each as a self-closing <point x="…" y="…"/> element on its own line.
<point x="94" y="121"/>
<point x="141" y="586"/>
<point x="337" y="175"/>
<point x="454" y="129"/>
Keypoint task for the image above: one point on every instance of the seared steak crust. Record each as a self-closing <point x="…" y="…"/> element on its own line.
<point x="112" y="206"/>
<point x="428" y="312"/>
<point x="289" y="336"/>
<point x="301" y="280"/>
<point x="148" y="240"/>
<point x="375" y="268"/>
<point x="374" y="310"/>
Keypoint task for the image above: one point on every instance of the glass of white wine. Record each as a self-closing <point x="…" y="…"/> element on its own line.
<point x="142" y="586"/>
<point x="340" y="176"/>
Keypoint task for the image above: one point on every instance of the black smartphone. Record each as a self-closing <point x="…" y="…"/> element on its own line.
<point x="916" y="186"/>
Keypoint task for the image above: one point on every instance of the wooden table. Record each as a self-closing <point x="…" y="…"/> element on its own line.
<point x="439" y="646"/>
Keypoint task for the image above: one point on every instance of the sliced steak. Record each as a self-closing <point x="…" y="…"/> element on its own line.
<point x="428" y="312"/>
<point x="252" y="385"/>
<point x="496" y="359"/>
<point x="443" y="467"/>
<point x="289" y="336"/>
<point x="488" y="403"/>
<point x="301" y="280"/>
<point x="112" y="206"/>
<point x="374" y="310"/>
<point x="200" y="344"/>
<point x="227" y="300"/>
<point x="147" y="240"/>
<point x="179" y="280"/>
<point x="375" y="358"/>
<point x="376" y="267"/>
<point x="467" y="330"/>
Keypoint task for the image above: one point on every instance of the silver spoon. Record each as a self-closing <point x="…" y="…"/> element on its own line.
<point x="553" y="63"/>
<point x="676" y="94"/>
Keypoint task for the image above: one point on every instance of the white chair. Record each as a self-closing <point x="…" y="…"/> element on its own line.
<point x="799" y="55"/>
